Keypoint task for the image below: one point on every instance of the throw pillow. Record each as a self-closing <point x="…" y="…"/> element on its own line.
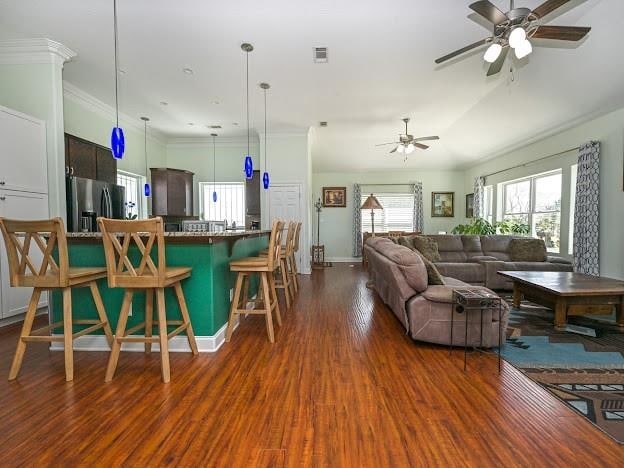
<point x="405" y="242"/>
<point x="427" y="246"/>
<point x="527" y="250"/>
<point x="433" y="275"/>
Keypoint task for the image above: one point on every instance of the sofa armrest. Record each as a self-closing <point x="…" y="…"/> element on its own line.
<point x="482" y="258"/>
<point x="555" y="259"/>
<point x="492" y="279"/>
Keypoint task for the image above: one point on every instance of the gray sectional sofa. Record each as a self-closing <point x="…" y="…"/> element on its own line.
<point x="399" y="276"/>
<point x="477" y="260"/>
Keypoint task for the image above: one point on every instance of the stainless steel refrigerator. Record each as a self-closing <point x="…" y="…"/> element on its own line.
<point x="87" y="199"/>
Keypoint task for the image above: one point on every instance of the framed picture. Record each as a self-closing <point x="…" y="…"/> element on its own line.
<point x="442" y="204"/>
<point x="335" y="197"/>
<point x="470" y="205"/>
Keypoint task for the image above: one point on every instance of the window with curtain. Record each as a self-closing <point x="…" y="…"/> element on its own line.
<point x="397" y="214"/>
<point x="536" y="201"/>
<point x="573" y="174"/>
<point x="488" y="200"/>
<point x="230" y="203"/>
<point x="132" y="183"/>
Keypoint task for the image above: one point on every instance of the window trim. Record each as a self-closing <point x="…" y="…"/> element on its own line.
<point x="201" y="186"/>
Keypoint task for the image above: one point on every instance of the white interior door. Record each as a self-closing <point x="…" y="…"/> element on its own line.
<point x="285" y="204"/>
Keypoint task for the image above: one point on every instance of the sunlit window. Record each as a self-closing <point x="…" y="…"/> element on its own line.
<point x="132" y="183"/>
<point x="230" y="204"/>
<point x="397" y="213"/>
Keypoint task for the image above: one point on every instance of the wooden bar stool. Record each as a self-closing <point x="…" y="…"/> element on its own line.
<point x="26" y="271"/>
<point x="144" y="275"/>
<point x="265" y="267"/>
<point x="283" y="273"/>
<point x="293" y="261"/>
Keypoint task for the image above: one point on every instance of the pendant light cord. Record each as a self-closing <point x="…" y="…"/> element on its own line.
<point x="116" y="64"/>
<point x="248" y="137"/>
<point x="145" y="122"/>
<point x="214" y="163"/>
<point x="265" y="131"/>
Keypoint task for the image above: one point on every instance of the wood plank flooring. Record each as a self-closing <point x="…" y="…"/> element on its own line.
<point x="342" y="386"/>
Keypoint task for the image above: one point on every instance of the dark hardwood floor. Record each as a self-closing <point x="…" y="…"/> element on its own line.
<point x="342" y="386"/>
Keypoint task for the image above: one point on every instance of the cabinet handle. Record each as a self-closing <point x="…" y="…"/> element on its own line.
<point x="71" y="171"/>
<point x="66" y="170"/>
<point x="2" y="182"/>
<point x="2" y="198"/>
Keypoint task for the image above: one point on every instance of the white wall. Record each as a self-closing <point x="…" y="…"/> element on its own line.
<point x="609" y="131"/>
<point x="195" y="155"/>
<point x="337" y="223"/>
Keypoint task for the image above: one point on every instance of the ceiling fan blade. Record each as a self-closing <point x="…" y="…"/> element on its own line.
<point x="392" y="151"/>
<point x="489" y="11"/>
<point x="548" y="7"/>
<point x="500" y="61"/>
<point x="562" y="33"/>
<point x="429" y="138"/>
<point x="392" y="143"/>
<point x="463" y="50"/>
<point x="420" y="145"/>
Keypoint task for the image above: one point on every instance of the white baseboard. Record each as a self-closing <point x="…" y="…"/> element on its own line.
<point x="205" y="344"/>
<point x="344" y="259"/>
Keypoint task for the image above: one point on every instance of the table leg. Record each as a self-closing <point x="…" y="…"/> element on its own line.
<point x="619" y="313"/>
<point x="517" y="296"/>
<point x="560" y="314"/>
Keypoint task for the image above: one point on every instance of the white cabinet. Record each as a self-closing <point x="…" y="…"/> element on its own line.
<point x="19" y="205"/>
<point x="23" y="159"/>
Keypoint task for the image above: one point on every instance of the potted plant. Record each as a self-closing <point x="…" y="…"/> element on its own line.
<point x="483" y="227"/>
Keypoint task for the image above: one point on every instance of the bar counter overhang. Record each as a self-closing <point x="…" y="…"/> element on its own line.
<point x="207" y="291"/>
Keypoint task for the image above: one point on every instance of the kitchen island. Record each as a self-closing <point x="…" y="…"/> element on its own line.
<point x="207" y="291"/>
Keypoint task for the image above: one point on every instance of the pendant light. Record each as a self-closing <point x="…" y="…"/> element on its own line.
<point x="214" y="168"/>
<point x="265" y="176"/>
<point x="248" y="161"/>
<point x="118" y="141"/>
<point x="146" y="188"/>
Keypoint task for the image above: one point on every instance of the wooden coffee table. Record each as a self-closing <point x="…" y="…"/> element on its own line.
<point x="568" y="293"/>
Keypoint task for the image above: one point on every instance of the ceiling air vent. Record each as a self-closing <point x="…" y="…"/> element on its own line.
<point x="320" y="54"/>
<point x="214" y="126"/>
<point x="323" y="124"/>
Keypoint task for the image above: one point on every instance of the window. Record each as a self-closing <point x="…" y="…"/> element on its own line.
<point x="132" y="183"/>
<point x="573" y="173"/>
<point x="488" y="200"/>
<point x="397" y="213"/>
<point x="230" y="204"/>
<point x="536" y="201"/>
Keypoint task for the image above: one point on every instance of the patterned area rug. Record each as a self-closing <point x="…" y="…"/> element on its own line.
<point x="586" y="373"/>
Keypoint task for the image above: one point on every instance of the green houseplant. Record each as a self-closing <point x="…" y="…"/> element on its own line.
<point x="480" y="226"/>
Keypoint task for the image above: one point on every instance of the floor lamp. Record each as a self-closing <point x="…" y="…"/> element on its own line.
<point x="372" y="204"/>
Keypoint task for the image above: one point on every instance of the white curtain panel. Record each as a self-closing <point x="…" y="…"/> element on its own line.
<point x="587" y="211"/>
<point x="357" y="220"/>
<point x="419" y="218"/>
<point x="478" y="206"/>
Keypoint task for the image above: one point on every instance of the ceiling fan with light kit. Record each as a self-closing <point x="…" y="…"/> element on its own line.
<point x="407" y="144"/>
<point x="514" y="28"/>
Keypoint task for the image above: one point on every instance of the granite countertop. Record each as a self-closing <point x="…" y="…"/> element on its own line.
<point x="97" y="235"/>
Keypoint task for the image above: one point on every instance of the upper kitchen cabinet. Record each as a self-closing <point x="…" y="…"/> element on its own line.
<point x="172" y="192"/>
<point x="23" y="158"/>
<point x="89" y="160"/>
<point x="252" y="195"/>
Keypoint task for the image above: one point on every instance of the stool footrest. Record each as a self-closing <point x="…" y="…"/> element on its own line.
<point x="177" y="331"/>
<point x="131" y="330"/>
<point x="88" y="330"/>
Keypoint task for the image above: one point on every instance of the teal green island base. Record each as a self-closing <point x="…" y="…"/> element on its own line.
<point x="207" y="291"/>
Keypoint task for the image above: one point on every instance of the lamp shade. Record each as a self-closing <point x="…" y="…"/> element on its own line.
<point x="371" y="203"/>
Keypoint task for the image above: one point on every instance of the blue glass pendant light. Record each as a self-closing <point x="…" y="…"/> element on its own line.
<point x="248" y="168"/>
<point x="214" y="167"/>
<point x="265" y="176"/>
<point x="118" y="141"/>
<point x="146" y="188"/>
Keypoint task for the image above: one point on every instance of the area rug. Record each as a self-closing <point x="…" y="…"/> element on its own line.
<point x="586" y="373"/>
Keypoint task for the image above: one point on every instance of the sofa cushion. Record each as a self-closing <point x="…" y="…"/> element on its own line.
<point x="433" y="275"/>
<point x="482" y="258"/>
<point x="497" y="246"/>
<point x="527" y="250"/>
<point x="469" y="272"/>
<point x="450" y="248"/>
<point x="409" y="263"/>
<point x="427" y="246"/>
<point x="472" y="246"/>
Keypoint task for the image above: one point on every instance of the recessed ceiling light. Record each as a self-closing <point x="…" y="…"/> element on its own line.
<point x="164" y="103"/>
<point x="188" y="71"/>
<point x="191" y="124"/>
<point x="215" y="102"/>
<point x="235" y="124"/>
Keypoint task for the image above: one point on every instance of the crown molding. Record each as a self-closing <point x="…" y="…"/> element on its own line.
<point x="199" y="142"/>
<point x="33" y="51"/>
<point x="81" y="97"/>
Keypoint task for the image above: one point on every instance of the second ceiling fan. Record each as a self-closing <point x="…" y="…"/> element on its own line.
<point x="407" y="143"/>
<point x="514" y="29"/>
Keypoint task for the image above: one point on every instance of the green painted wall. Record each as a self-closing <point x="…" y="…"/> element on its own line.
<point x="207" y="291"/>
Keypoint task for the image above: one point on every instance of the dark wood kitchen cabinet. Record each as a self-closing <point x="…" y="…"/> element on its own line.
<point x="89" y="160"/>
<point x="172" y="192"/>
<point x="252" y="194"/>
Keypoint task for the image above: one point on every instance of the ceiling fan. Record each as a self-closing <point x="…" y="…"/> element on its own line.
<point x="407" y="143"/>
<point x="514" y="29"/>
